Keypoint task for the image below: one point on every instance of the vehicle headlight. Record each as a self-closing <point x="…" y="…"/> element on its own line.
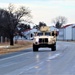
<point x="51" y="40"/>
<point x="36" y="39"/>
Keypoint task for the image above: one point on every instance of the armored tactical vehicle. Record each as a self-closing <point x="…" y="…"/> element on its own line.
<point x="45" y="38"/>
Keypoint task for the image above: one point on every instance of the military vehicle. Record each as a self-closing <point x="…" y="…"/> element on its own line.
<point x="45" y="38"/>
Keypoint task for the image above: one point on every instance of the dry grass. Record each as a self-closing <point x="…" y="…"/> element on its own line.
<point x="21" y="45"/>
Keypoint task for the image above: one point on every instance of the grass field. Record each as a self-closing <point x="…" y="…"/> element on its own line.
<point x="20" y="45"/>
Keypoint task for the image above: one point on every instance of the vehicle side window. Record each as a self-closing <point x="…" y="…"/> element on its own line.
<point x="39" y="34"/>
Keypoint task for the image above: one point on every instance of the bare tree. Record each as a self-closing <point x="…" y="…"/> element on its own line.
<point x="59" y="21"/>
<point x="39" y="25"/>
<point x="10" y="19"/>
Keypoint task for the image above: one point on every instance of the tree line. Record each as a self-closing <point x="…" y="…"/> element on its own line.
<point x="10" y="21"/>
<point x="58" y="22"/>
<point x="11" y="18"/>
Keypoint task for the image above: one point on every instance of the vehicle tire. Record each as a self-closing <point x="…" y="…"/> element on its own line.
<point x="35" y="48"/>
<point x="53" y="47"/>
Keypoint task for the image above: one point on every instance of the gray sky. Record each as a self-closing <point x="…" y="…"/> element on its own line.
<point x="46" y="10"/>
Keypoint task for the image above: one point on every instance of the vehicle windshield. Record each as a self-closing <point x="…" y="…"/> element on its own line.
<point x="39" y="34"/>
<point x="47" y="34"/>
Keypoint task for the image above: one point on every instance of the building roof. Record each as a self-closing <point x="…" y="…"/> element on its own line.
<point x="27" y="30"/>
<point x="66" y="25"/>
<point x="73" y="27"/>
<point x="52" y="28"/>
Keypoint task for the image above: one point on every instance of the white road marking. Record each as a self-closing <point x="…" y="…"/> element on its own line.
<point x="37" y="66"/>
<point x="54" y="56"/>
<point x="26" y="68"/>
<point x="15" y="55"/>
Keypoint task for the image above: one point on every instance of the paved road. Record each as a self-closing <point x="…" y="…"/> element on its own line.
<point x="44" y="62"/>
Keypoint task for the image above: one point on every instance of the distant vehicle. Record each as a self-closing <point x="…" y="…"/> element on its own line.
<point x="45" y="38"/>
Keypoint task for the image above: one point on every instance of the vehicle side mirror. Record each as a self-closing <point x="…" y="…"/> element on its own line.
<point x="54" y="33"/>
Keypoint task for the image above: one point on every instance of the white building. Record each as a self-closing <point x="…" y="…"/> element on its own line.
<point x="61" y="34"/>
<point x="73" y="32"/>
<point x="65" y="33"/>
<point x="30" y="33"/>
<point x="52" y="28"/>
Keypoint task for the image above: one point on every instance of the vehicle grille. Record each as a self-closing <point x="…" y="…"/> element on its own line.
<point x="43" y="40"/>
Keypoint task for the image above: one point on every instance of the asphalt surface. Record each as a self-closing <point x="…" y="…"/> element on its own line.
<point x="43" y="62"/>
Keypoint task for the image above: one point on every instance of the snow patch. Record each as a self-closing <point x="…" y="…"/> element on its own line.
<point x="4" y="46"/>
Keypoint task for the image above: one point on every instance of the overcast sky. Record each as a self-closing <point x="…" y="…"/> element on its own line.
<point x="46" y="10"/>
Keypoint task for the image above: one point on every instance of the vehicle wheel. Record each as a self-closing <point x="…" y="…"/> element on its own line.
<point x="53" y="47"/>
<point x="35" y="48"/>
